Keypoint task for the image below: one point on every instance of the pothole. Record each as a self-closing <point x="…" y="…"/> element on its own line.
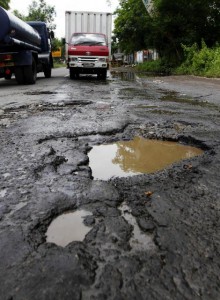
<point x="35" y="93"/>
<point x="137" y="156"/>
<point x="127" y="76"/>
<point x="139" y="240"/>
<point x="67" y="228"/>
<point x="196" y="101"/>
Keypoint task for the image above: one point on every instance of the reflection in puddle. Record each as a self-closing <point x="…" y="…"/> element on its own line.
<point x="138" y="156"/>
<point x="3" y="193"/>
<point x="127" y="76"/>
<point x="67" y="228"/>
<point x="174" y="97"/>
<point x="139" y="240"/>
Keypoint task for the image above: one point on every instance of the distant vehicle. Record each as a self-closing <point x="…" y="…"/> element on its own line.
<point x="25" y="48"/>
<point x="88" y="36"/>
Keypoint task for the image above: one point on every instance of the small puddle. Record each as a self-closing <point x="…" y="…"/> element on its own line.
<point x="138" y="156"/>
<point x="3" y="193"/>
<point x="127" y="76"/>
<point x="196" y="101"/>
<point x="35" y="93"/>
<point x="139" y="239"/>
<point x="67" y="228"/>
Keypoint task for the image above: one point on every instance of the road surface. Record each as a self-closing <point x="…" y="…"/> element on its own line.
<point x="150" y="235"/>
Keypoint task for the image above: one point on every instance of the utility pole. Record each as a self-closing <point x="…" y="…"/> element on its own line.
<point x="147" y="4"/>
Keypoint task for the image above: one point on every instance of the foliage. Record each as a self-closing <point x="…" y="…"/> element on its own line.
<point x="150" y="66"/>
<point x="170" y="24"/>
<point x="197" y="61"/>
<point x="58" y="63"/>
<point x="19" y="15"/>
<point x="39" y="11"/>
<point x="132" y="25"/>
<point x="184" y="22"/>
<point x="201" y="62"/>
<point x="155" y="66"/>
<point x="56" y="44"/>
<point x="114" y="44"/>
<point x="5" y="4"/>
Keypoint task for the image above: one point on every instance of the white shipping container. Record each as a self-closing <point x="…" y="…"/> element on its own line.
<point x="90" y="22"/>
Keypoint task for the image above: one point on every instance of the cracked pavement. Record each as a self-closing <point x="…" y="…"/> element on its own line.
<point x="46" y="133"/>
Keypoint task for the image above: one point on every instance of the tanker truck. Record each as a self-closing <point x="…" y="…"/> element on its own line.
<point x="25" y="48"/>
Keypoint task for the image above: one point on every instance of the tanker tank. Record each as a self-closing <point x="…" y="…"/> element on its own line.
<point x="13" y="29"/>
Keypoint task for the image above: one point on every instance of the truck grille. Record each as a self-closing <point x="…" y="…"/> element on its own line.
<point x="88" y="59"/>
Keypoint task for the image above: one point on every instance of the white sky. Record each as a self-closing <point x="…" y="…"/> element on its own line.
<point x="67" y="5"/>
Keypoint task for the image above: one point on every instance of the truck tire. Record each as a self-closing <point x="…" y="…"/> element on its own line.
<point x="74" y="74"/>
<point x="19" y="75"/>
<point x="47" y="71"/>
<point x="30" y="73"/>
<point x="102" y="74"/>
<point x="8" y="76"/>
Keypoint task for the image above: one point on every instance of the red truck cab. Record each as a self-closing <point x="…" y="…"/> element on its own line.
<point x="88" y="53"/>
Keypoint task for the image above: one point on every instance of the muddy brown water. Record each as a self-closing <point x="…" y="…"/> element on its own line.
<point x="137" y="156"/>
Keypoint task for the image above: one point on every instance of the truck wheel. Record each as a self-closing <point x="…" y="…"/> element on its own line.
<point x="30" y="73"/>
<point x="47" y="71"/>
<point x="8" y="76"/>
<point x="104" y="74"/>
<point x="19" y="75"/>
<point x="72" y="73"/>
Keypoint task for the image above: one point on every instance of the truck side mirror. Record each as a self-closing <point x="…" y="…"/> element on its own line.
<point x="63" y="41"/>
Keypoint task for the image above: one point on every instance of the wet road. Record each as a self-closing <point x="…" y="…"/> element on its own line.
<point x="152" y="236"/>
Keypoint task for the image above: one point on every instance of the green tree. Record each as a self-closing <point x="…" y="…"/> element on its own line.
<point x="5" y="4"/>
<point x="170" y="24"/>
<point x="56" y="44"/>
<point x="132" y="25"/>
<point x="19" y="15"/>
<point x="40" y="11"/>
<point x="184" y="22"/>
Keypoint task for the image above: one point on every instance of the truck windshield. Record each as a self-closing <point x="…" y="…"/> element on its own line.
<point x="88" y="39"/>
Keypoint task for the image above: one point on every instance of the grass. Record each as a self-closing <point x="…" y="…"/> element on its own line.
<point x="200" y="62"/>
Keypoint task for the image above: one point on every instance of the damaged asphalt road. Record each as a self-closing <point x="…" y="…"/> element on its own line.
<point x="46" y="133"/>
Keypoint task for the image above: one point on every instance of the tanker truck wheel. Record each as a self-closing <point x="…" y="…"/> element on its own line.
<point x="19" y="75"/>
<point x="47" y="71"/>
<point x="30" y="73"/>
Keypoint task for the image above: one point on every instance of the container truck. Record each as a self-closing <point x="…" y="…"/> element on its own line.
<point x="25" y="48"/>
<point x="88" y="42"/>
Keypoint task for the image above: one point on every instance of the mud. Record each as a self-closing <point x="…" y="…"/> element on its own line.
<point x="151" y="236"/>
<point x="137" y="156"/>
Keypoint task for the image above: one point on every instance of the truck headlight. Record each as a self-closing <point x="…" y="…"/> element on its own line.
<point x="102" y="59"/>
<point x="74" y="59"/>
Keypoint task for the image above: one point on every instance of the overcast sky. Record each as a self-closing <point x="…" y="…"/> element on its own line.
<point x="64" y="5"/>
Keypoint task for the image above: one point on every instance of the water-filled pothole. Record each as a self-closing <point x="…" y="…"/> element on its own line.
<point x="127" y="76"/>
<point x="139" y="239"/>
<point x="138" y="156"/>
<point x="67" y="228"/>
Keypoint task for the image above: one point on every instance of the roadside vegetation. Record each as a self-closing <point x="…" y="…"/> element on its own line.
<point x="200" y="62"/>
<point x="58" y="63"/>
<point x="186" y="35"/>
